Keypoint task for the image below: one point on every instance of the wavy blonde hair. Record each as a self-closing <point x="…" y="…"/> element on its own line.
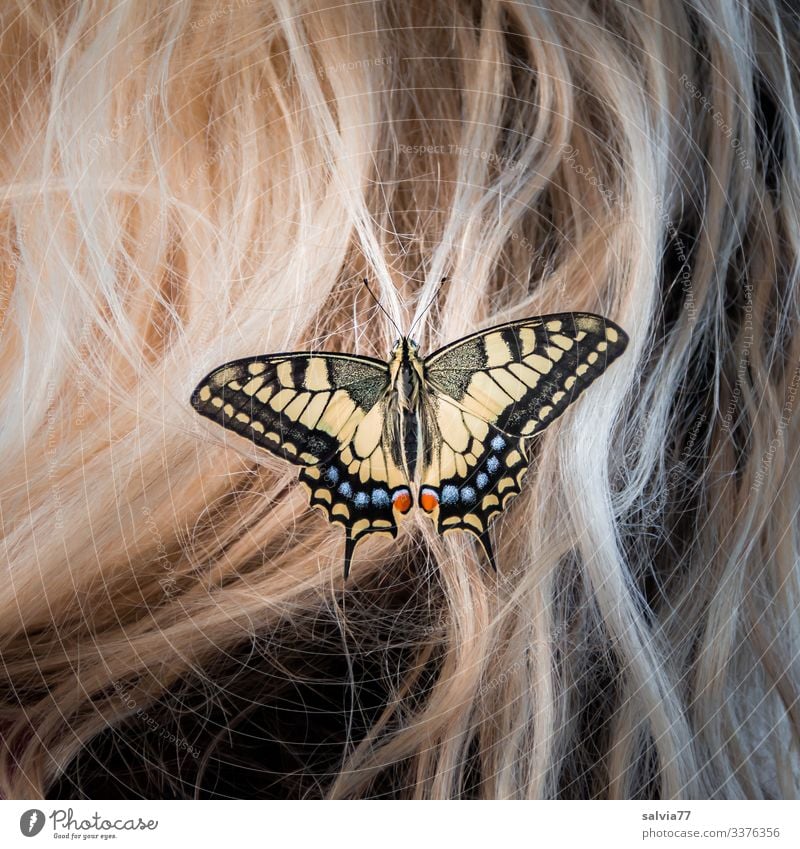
<point x="187" y="183"/>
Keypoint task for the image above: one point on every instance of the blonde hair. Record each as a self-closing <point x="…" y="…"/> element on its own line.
<point x="187" y="183"/>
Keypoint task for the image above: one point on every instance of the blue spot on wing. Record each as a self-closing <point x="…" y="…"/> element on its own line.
<point x="449" y="494"/>
<point x="380" y="498"/>
<point x="492" y="464"/>
<point x="482" y="480"/>
<point x="346" y="490"/>
<point x="468" y="495"/>
<point x="498" y="443"/>
<point x="332" y="475"/>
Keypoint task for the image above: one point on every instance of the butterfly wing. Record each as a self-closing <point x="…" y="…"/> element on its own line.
<point x="521" y="376"/>
<point x="326" y="413"/>
<point x="471" y="472"/>
<point x="361" y="486"/>
<point x="490" y="392"/>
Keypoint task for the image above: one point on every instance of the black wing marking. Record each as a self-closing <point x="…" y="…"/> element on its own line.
<point x="364" y="489"/>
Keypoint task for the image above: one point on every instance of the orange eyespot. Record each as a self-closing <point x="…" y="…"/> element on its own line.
<point x="401" y="501"/>
<point x="428" y="500"/>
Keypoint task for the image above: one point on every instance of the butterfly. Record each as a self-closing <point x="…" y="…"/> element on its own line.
<point x="452" y="428"/>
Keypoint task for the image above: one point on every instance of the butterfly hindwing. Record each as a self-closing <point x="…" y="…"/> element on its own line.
<point x="521" y="376"/>
<point x="473" y="472"/>
<point x="361" y="491"/>
<point x="326" y="413"/>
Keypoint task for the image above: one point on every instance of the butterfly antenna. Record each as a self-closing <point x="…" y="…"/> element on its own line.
<point x="429" y="304"/>
<point x="381" y="308"/>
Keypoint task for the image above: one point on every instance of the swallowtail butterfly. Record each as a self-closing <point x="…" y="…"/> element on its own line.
<point x="450" y="430"/>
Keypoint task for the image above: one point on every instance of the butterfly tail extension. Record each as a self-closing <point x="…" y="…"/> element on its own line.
<point x="349" y="550"/>
<point x="486" y="543"/>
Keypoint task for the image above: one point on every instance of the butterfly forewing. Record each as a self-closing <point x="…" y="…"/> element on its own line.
<point x="302" y="407"/>
<point x="520" y="376"/>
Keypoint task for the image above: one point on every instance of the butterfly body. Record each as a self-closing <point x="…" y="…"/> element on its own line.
<point x="406" y="376"/>
<point x="449" y="431"/>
